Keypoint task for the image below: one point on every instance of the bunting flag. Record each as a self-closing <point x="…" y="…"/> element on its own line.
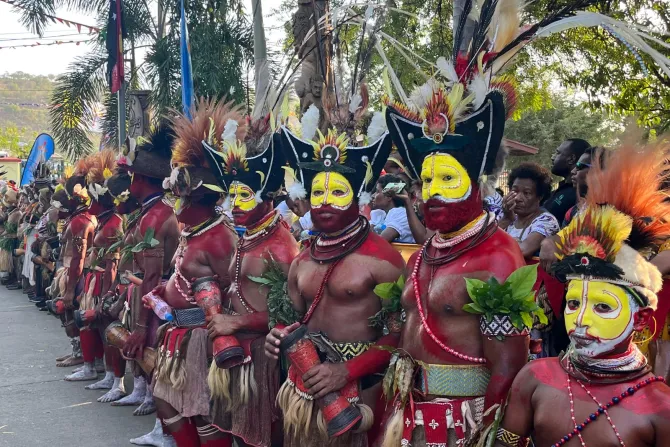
<point x="54" y="19"/>
<point x="115" y="34"/>
<point x="186" y="74"/>
<point x="39" y="44"/>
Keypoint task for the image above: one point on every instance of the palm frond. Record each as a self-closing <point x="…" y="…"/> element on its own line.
<point x="73" y="103"/>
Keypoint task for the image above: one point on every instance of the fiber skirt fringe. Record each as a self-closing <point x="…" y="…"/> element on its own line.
<point x="243" y="397"/>
<point x="6" y="261"/>
<point x="184" y="386"/>
<point x="304" y="424"/>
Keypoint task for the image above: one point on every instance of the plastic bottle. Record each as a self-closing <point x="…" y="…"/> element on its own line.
<point x="160" y="307"/>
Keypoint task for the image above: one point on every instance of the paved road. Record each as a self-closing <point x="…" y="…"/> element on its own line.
<point x="37" y="407"/>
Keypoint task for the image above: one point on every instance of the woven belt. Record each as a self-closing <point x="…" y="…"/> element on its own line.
<point x="454" y="380"/>
<point x="193" y="316"/>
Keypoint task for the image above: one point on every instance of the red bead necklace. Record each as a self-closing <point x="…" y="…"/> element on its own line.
<point x="424" y="322"/>
<point x="602" y="409"/>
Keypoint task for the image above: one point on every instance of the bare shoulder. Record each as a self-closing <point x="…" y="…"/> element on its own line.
<point x="159" y="217"/>
<point x="381" y="251"/>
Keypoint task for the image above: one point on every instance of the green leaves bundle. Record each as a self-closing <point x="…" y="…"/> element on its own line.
<point x="514" y="298"/>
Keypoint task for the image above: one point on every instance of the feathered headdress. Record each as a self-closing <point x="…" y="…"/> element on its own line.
<point x="149" y="156"/>
<point x="462" y="109"/>
<point x="76" y="184"/>
<point x="624" y="223"/>
<point x="102" y="168"/>
<point x="190" y="164"/>
<point x="229" y="157"/>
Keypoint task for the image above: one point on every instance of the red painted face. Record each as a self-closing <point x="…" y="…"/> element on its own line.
<point x="252" y="217"/>
<point x="447" y="217"/>
<point x="328" y="219"/>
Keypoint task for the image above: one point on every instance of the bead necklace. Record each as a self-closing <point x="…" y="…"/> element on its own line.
<point x="268" y="223"/>
<point x="343" y="245"/>
<point x="602" y="409"/>
<point x="257" y="237"/>
<point x="325" y="240"/>
<point x="443" y="241"/>
<point x="424" y="322"/>
<point x="319" y="293"/>
<point x="183" y="243"/>
<point x="632" y="361"/>
<point x="203" y="227"/>
<point x="486" y="231"/>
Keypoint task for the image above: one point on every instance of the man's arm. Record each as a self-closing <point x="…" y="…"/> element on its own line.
<point x="80" y="230"/>
<point x="518" y="417"/>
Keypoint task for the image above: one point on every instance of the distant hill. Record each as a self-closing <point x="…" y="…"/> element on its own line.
<point x="24" y="109"/>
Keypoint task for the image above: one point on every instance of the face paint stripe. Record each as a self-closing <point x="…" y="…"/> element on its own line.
<point x="585" y="302"/>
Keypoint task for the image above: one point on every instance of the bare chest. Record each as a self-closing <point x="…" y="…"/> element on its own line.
<point x="553" y="420"/>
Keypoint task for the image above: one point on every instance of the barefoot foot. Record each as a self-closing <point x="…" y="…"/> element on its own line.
<point x="137" y="396"/>
<point x="86" y="374"/>
<point x="104" y="384"/>
<point x="116" y="393"/>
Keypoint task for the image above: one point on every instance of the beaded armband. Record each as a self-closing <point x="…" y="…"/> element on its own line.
<point x="78" y="243"/>
<point x="510" y="439"/>
<point x="153" y="252"/>
<point x="499" y="326"/>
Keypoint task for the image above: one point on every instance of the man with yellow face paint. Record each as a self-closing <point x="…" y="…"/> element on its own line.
<point x="247" y="162"/>
<point x="602" y="391"/>
<point x="464" y="364"/>
<point x="331" y="287"/>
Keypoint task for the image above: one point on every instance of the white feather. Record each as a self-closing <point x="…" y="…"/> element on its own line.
<point x="226" y="204"/>
<point x="229" y="133"/>
<point x="297" y="191"/>
<point x="447" y="69"/>
<point x="258" y="197"/>
<point x="355" y="103"/>
<point x="364" y="198"/>
<point x="310" y="122"/>
<point x="480" y="88"/>
<point x="377" y="127"/>
<point x="421" y="95"/>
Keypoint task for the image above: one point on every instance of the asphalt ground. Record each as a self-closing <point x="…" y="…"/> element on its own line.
<point x="37" y="407"/>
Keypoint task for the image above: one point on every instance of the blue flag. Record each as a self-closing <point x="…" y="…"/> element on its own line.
<point x="186" y="75"/>
<point x="43" y="149"/>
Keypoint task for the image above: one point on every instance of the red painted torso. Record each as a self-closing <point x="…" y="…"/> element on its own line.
<point x="106" y="236"/>
<point x="637" y="418"/>
<point x="348" y="299"/>
<point x="155" y="218"/>
<point x="216" y="244"/>
<point x="280" y="246"/>
<point x="443" y="295"/>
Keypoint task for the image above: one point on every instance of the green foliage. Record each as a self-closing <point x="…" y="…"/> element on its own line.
<point x="17" y="142"/>
<point x="280" y="309"/>
<point x="553" y="123"/>
<point x="390" y="294"/>
<point x="514" y="298"/>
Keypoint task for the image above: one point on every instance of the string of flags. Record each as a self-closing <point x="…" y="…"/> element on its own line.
<point x="54" y="19"/>
<point x="38" y="44"/>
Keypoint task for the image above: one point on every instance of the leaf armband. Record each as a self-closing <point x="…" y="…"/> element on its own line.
<point x="391" y="317"/>
<point x="506" y="309"/>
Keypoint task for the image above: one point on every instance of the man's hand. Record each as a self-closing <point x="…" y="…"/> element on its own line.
<point x="68" y="300"/>
<point x="135" y="344"/>
<point x="547" y="254"/>
<point x="221" y="324"/>
<point x="325" y="378"/>
<point x="274" y="337"/>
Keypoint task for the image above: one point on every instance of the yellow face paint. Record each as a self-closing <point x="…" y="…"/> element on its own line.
<point x="331" y="188"/>
<point x="242" y="197"/>
<point x="444" y="177"/>
<point x="598" y="310"/>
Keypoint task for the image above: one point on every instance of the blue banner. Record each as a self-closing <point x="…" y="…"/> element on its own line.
<point x="186" y="74"/>
<point x="43" y="149"/>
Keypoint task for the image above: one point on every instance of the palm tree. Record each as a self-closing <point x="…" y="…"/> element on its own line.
<point x="221" y="49"/>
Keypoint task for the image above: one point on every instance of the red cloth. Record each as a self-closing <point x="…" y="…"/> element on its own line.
<point x="663" y="309"/>
<point x="91" y="345"/>
<point x="555" y="289"/>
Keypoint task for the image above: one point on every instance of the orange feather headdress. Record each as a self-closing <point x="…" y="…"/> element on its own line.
<point x="625" y="221"/>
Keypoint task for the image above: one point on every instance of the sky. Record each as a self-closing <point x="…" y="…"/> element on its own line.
<point x="54" y="59"/>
